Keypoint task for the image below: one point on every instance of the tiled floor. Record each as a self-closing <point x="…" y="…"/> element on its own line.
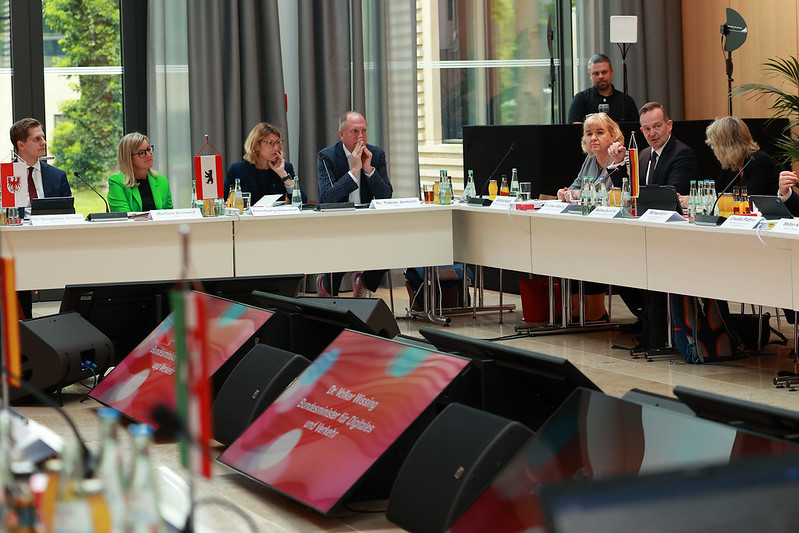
<point x="613" y="370"/>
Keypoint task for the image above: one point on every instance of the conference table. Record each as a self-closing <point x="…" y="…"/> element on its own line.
<point x="738" y="265"/>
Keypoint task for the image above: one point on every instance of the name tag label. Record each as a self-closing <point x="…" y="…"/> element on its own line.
<point x="555" y="207"/>
<point x="661" y="215"/>
<point x="395" y="203"/>
<point x="56" y="220"/>
<point x="604" y="211"/>
<point x="263" y="211"/>
<point x="175" y="214"/>
<point x="786" y="225"/>
<point x="502" y="202"/>
<point x="742" y="222"/>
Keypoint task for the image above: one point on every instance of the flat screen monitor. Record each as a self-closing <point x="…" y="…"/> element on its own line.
<point x="145" y="379"/>
<point x="766" y="420"/>
<point x="319" y="439"/>
<point x="596" y="436"/>
<point x="53" y="205"/>
<point x="748" y="495"/>
<point x="518" y="384"/>
<point x="127" y="312"/>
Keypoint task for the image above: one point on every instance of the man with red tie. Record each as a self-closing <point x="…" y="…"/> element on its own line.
<point x="44" y="180"/>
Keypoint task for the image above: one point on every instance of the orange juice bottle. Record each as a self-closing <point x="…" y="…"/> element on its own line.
<point x="504" y="190"/>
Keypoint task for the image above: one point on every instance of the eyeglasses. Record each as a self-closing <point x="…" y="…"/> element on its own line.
<point x="278" y="142"/>
<point x="144" y="153"/>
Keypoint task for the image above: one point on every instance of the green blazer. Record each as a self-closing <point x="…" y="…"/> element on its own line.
<point x="122" y="198"/>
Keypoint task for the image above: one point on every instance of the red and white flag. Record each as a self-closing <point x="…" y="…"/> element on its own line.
<point x="208" y="176"/>
<point x="14" y="179"/>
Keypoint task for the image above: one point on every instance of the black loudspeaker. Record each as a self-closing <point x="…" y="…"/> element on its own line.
<point x="259" y="378"/>
<point x="59" y="350"/>
<point x="452" y="463"/>
<point x="373" y="312"/>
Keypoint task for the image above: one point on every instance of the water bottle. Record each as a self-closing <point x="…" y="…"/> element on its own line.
<point x="442" y="180"/>
<point x="296" y="194"/>
<point x="626" y="198"/>
<point x="144" y="514"/>
<point x="470" y="192"/>
<point x="692" y="202"/>
<point x="515" y="190"/>
<point x="712" y="198"/>
<point x="109" y="468"/>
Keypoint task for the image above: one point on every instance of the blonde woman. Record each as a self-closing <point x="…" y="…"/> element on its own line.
<point x="264" y="169"/>
<point x="137" y="187"/>
<point x="599" y="133"/>
<point x="741" y="158"/>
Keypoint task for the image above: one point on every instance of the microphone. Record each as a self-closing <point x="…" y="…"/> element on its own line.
<point x="485" y="184"/>
<point x="107" y="208"/>
<point x="711" y="219"/>
<point x="327" y="171"/>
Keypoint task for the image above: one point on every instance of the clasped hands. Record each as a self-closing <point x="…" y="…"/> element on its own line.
<point x="361" y="159"/>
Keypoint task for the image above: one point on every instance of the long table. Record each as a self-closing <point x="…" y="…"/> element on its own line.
<point x="679" y="258"/>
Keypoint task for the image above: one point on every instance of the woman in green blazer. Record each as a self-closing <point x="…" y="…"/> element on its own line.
<point x="137" y="187"/>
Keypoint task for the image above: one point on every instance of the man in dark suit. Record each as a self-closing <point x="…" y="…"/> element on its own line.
<point x="352" y="171"/>
<point x="44" y="180"/>
<point x="667" y="160"/>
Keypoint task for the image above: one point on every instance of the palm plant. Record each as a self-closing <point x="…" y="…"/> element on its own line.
<point x="784" y="103"/>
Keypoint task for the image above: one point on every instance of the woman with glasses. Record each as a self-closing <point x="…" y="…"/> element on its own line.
<point x="264" y="170"/>
<point x="137" y="187"/>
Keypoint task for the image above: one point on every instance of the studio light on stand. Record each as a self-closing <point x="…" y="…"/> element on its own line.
<point x="733" y="35"/>
<point x="624" y="32"/>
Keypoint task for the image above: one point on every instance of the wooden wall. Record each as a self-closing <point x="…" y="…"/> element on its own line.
<point x="773" y="32"/>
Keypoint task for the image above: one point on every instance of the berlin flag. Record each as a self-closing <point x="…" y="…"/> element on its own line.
<point x="208" y="176"/>
<point x="14" y="179"/>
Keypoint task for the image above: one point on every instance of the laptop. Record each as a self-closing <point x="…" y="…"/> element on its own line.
<point x="54" y="205"/>
<point x="663" y="197"/>
<point x="771" y="207"/>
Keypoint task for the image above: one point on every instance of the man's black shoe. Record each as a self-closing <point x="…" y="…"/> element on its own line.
<point x="633" y="327"/>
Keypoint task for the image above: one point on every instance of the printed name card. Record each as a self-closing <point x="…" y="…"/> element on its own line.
<point x="395" y="203"/>
<point x="175" y="214"/>
<point x="555" y="207"/>
<point x="742" y="222"/>
<point x="56" y="220"/>
<point x="604" y="211"/>
<point x="787" y="225"/>
<point x="502" y="202"/>
<point x="661" y="215"/>
<point x="264" y="211"/>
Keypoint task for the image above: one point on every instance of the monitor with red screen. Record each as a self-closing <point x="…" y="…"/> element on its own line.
<point x="145" y="378"/>
<point x="326" y="430"/>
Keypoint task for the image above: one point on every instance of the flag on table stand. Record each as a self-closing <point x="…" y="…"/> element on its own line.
<point x="208" y="176"/>
<point x="14" y="179"/>
<point x="11" y="349"/>
<point x="193" y="379"/>
<point x="632" y="153"/>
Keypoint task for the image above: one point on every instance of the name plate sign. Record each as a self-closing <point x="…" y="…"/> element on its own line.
<point x="56" y="220"/>
<point x="604" y="211"/>
<point x="741" y="222"/>
<point x="264" y="211"/>
<point x="175" y="214"/>
<point x="787" y="225"/>
<point x="554" y="207"/>
<point x="661" y="215"/>
<point x="503" y="202"/>
<point x="395" y="203"/>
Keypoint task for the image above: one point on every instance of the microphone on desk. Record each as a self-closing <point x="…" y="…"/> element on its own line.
<point x="327" y="170"/>
<point x="485" y="184"/>
<point x="711" y="219"/>
<point x="77" y="175"/>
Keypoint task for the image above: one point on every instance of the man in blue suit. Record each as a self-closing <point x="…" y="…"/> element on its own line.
<point x="44" y="180"/>
<point x="352" y="171"/>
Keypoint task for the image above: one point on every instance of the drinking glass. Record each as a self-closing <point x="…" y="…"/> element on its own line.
<point x="246" y="199"/>
<point x="428" y="194"/>
<point x="525" y="188"/>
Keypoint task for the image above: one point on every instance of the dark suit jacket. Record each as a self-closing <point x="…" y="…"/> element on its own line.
<point x="54" y="181"/>
<point x="792" y="203"/>
<point x="760" y="176"/>
<point x="335" y="183"/>
<point x="676" y="166"/>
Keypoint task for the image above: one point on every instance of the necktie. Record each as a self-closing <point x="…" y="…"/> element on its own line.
<point x="650" y="173"/>
<point x="31" y="185"/>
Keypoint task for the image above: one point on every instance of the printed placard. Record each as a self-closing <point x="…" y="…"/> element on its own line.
<point x="395" y="203"/>
<point x="787" y="225"/>
<point x="555" y="207"/>
<point x="14" y="178"/>
<point x="175" y="214"/>
<point x="605" y="211"/>
<point x="503" y="202"/>
<point x="661" y="215"/>
<point x="264" y="211"/>
<point x="208" y="177"/>
<point x="741" y="222"/>
<point x="57" y="220"/>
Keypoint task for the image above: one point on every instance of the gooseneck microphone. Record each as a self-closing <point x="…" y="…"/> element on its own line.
<point x="490" y="176"/>
<point x="726" y="188"/>
<point x="107" y="208"/>
<point x="327" y="171"/>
